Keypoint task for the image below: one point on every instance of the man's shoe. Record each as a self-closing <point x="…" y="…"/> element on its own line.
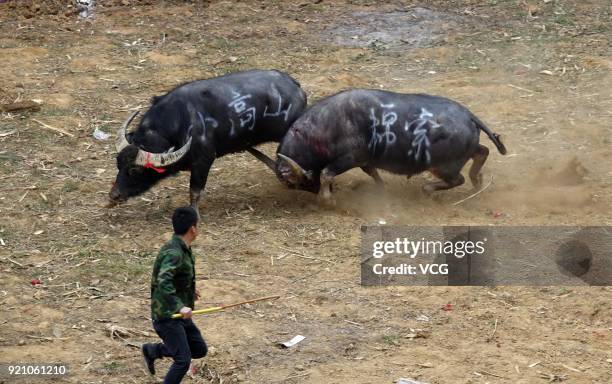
<point x="149" y="358"/>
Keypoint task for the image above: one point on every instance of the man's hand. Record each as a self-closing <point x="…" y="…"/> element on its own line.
<point x="186" y="312"/>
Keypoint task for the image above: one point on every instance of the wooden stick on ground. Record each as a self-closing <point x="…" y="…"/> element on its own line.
<point x="53" y="128"/>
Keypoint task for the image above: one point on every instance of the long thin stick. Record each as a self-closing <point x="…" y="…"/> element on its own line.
<point x="474" y="194"/>
<point x="215" y="309"/>
<point x="53" y="128"/>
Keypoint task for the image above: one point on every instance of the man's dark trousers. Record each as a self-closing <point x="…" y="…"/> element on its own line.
<point x="182" y="341"/>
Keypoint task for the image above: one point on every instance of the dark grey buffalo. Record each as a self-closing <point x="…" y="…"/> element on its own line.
<point x="404" y="134"/>
<point x="192" y="125"/>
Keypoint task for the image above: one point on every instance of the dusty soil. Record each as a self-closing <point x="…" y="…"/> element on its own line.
<point x="538" y="72"/>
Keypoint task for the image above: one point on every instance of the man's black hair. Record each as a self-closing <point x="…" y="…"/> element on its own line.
<point x="183" y="218"/>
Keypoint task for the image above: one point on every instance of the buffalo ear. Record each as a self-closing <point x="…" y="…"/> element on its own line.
<point x="129" y="136"/>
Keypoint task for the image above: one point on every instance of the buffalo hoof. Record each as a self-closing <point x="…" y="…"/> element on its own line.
<point x="428" y="189"/>
<point x="326" y="200"/>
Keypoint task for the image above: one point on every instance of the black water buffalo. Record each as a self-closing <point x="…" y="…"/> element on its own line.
<point x="190" y="126"/>
<point x="401" y="133"/>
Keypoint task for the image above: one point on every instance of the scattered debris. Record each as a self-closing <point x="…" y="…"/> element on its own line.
<point x="490" y="338"/>
<point x="447" y="307"/>
<point x="292" y="342"/>
<point x="409" y="381"/>
<point x="85" y="7"/>
<point x="552" y="378"/>
<point x="35" y="282"/>
<point x="14" y="262"/>
<point x="100" y="135"/>
<point x="496" y="214"/>
<point x="47" y="126"/>
<point x="571" y="368"/>
<point x="481" y="373"/>
<point x="418" y="334"/>
<point x="26" y="105"/>
<point x="520" y="88"/>
<point x="122" y="332"/>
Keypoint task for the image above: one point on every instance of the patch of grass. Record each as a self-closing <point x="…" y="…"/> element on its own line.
<point x="70" y="186"/>
<point x="564" y="291"/>
<point x="361" y="57"/>
<point x="378" y="46"/>
<point x="391" y="339"/>
<point x="112" y="267"/>
<point x="315" y="7"/>
<point x="564" y="19"/>
<point x="225" y="44"/>
<point x="112" y="366"/>
<point x="52" y="111"/>
<point x="244" y="19"/>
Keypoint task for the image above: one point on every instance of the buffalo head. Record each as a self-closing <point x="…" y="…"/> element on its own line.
<point x="289" y="172"/>
<point x="139" y="170"/>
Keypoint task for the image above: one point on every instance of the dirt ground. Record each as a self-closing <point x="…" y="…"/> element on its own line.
<point x="537" y="72"/>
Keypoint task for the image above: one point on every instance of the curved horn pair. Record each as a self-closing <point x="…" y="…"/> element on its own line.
<point x="147" y="158"/>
